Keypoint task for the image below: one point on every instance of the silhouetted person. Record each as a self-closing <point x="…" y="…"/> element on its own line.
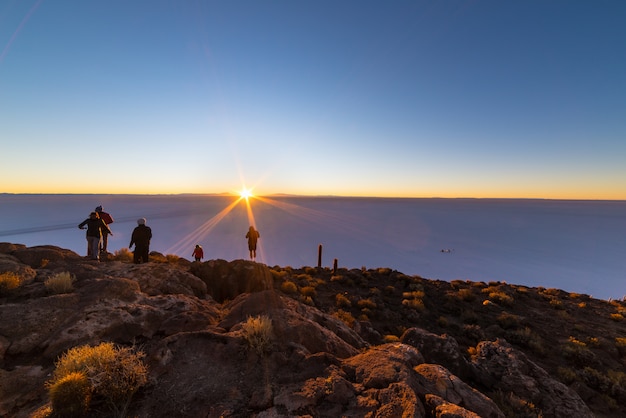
<point x="95" y="228"/>
<point x="141" y="237"/>
<point x="108" y="219"/>
<point x="252" y="235"/>
<point x="198" y="253"/>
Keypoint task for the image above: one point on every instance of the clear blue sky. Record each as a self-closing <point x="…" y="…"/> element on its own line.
<point x="400" y="98"/>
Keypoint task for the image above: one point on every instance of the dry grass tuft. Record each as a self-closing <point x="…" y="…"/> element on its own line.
<point x="8" y="282"/>
<point x="259" y="333"/>
<point x="60" y="283"/>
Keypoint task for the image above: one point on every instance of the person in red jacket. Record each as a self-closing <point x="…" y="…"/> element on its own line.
<point x="198" y="253"/>
<point x="108" y="219"/>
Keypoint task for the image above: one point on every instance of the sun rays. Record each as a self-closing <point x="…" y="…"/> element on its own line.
<point x="334" y="223"/>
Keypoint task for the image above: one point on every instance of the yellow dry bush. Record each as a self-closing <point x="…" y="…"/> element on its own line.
<point x="115" y="373"/>
<point x="70" y="395"/>
<point x="342" y="301"/>
<point x="60" y="283"/>
<point x="258" y="332"/>
<point x="8" y="282"/>
<point x="124" y="255"/>
<point x="289" y="287"/>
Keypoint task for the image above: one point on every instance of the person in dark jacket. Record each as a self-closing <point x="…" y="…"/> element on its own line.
<point x="141" y="237"/>
<point x="252" y="235"/>
<point x="108" y="219"/>
<point x="95" y="228"/>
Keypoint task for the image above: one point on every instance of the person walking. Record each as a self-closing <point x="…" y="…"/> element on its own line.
<point x="95" y="227"/>
<point x="141" y="237"/>
<point x="108" y="219"/>
<point x="252" y="235"/>
<point x="198" y="253"/>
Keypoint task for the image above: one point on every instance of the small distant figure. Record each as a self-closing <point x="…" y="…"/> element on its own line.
<point x="108" y="219"/>
<point x="252" y="235"/>
<point x="198" y="253"/>
<point x="95" y="229"/>
<point x="141" y="237"/>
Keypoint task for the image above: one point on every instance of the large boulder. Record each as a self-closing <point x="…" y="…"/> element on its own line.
<point x="501" y="367"/>
<point x="437" y="380"/>
<point x="41" y="256"/>
<point x="294" y="323"/>
<point x="227" y="280"/>
<point x="439" y="349"/>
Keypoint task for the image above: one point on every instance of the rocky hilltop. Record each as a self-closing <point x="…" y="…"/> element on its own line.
<point x="345" y="343"/>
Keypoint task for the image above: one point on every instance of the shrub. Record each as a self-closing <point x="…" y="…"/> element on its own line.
<point x="124" y="255"/>
<point x="366" y="304"/>
<point x="466" y="295"/>
<point x="60" y="283"/>
<point x="258" y="332"/>
<point x="527" y="338"/>
<point x="556" y="303"/>
<point x="501" y="297"/>
<point x="391" y="338"/>
<point x="115" y="373"/>
<point x="617" y="317"/>
<point x="578" y="352"/>
<point x="289" y="287"/>
<point x="70" y="395"/>
<point x="507" y="320"/>
<point x="416" y="304"/>
<point x="308" y="291"/>
<point x="346" y="317"/>
<point x="8" y="282"/>
<point x="566" y="375"/>
<point x="342" y="301"/>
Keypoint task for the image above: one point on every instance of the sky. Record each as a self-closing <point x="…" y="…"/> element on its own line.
<point x="447" y="98"/>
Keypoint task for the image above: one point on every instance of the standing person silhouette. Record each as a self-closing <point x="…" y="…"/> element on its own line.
<point x="198" y="253"/>
<point x="108" y="219"/>
<point x="252" y="235"/>
<point x="95" y="229"/>
<point x="141" y="237"/>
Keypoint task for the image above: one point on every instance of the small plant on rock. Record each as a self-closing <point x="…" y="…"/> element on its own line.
<point x="60" y="283"/>
<point x="114" y="373"/>
<point x="258" y="332"/>
<point x="289" y="287"/>
<point x="8" y="282"/>
<point x="70" y="395"/>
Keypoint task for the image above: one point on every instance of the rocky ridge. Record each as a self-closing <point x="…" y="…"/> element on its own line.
<point x="350" y="343"/>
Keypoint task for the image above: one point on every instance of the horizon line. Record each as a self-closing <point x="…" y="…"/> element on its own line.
<point x="231" y="194"/>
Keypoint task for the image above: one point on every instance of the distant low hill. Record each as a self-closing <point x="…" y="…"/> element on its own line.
<point x="240" y="339"/>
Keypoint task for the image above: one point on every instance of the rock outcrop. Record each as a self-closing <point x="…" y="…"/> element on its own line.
<point x="189" y="321"/>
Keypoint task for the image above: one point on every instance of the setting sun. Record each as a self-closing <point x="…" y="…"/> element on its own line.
<point x="245" y="193"/>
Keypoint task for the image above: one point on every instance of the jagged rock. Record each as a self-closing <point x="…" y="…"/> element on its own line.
<point x="440" y="408"/>
<point x="439" y="349"/>
<point x="9" y="263"/>
<point x="8" y="248"/>
<point x="199" y="357"/>
<point x="161" y="279"/>
<point x="41" y="256"/>
<point x="226" y="280"/>
<point x="499" y="366"/>
<point x="295" y="322"/>
<point x="382" y="365"/>
<point x="437" y="380"/>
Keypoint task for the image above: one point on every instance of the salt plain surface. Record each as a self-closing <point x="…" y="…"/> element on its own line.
<point x="578" y="246"/>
